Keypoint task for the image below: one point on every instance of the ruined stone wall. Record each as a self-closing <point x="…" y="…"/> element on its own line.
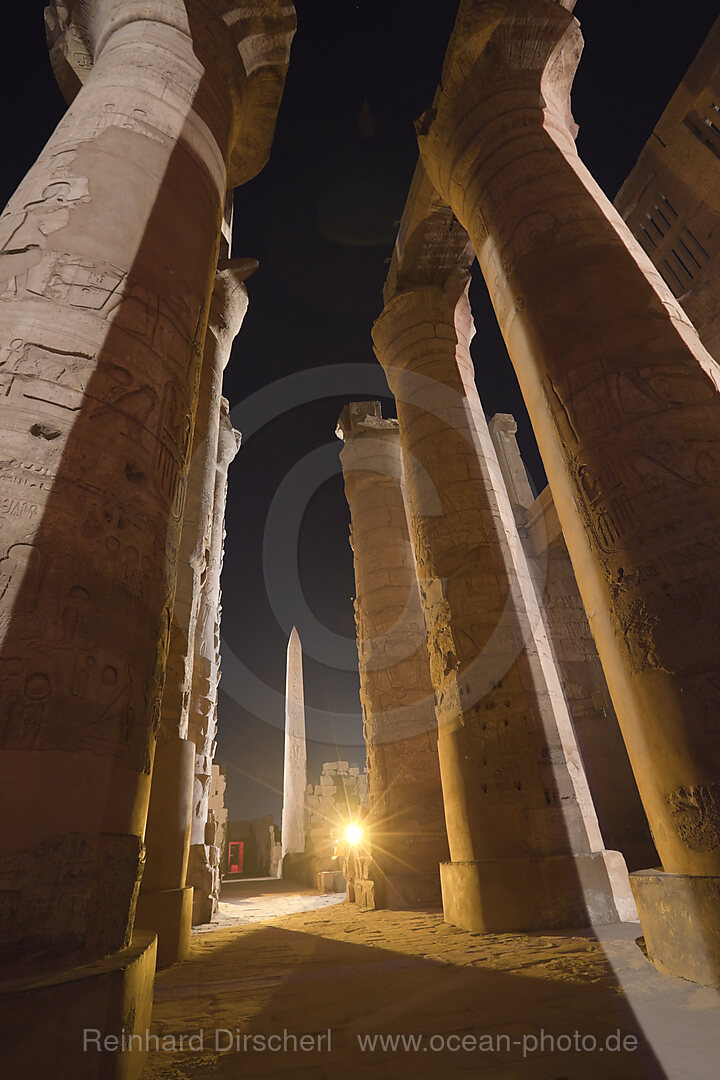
<point x="340" y="796"/>
<point x="217" y="811"/>
<point x="671" y="198"/>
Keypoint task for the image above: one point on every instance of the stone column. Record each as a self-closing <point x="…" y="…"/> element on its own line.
<point x="203" y="871"/>
<point x="502" y="430"/>
<point x="625" y="405"/>
<point x="165" y="902"/>
<point x="107" y="253"/>
<point x="620" y="814"/>
<point x="406" y="837"/>
<point x="524" y="840"/>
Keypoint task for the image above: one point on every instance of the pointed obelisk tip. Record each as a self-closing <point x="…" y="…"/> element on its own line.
<point x="294" y="636"/>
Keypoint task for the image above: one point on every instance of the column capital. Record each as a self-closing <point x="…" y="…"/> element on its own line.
<point x="504" y="422"/>
<point x="396" y="328"/>
<point x="372" y="444"/>
<point x="248" y="46"/>
<point x="363" y="418"/>
<point x="488" y="82"/>
<point x="229" y="302"/>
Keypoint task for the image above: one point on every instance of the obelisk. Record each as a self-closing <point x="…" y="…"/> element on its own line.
<point x="295" y="771"/>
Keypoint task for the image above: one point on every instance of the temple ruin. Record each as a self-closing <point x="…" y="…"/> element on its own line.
<point x="539" y="674"/>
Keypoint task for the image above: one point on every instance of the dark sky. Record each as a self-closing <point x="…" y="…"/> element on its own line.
<point x="321" y="218"/>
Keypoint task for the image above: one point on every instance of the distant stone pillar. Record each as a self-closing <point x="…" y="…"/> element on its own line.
<point x="107" y="253"/>
<point x="503" y="428"/>
<point x="407" y="840"/>
<point x="203" y="871"/>
<point x="165" y="902"/>
<point x="625" y="404"/>
<point x="524" y="840"/>
<point x="292" y="830"/>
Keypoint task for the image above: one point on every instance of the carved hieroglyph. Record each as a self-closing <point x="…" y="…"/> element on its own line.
<point x="512" y="779"/>
<point x="173" y="785"/>
<point x="671" y="198"/>
<point x="107" y="255"/>
<point x="204" y="864"/>
<point x="227" y="311"/>
<point x="406" y="825"/>
<point x="620" y="814"/>
<point x="624" y="400"/>
<point x="292" y="833"/>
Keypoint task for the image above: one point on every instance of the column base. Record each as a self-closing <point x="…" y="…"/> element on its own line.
<point x="44" y="1024"/>
<point x="410" y="892"/>
<point x="167" y="913"/>
<point x="551" y="893"/>
<point x="680" y="920"/>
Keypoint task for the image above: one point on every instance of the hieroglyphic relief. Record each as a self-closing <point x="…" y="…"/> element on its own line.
<point x="72" y="692"/>
<point x="620" y="499"/>
<point x="695" y="811"/>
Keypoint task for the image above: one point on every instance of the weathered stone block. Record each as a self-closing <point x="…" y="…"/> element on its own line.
<point x="680" y="917"/>
<point x="41" y="1023"/>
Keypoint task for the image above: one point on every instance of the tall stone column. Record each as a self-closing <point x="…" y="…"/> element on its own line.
<point x="524" y="840"/>
<point x="203" y="872"/>
<point x="107" y="254"/>
<point x="625" y="404"/>
<point x="398" y="866"/>
<point x="165" y="902"/>
<point x="620" y="814"/>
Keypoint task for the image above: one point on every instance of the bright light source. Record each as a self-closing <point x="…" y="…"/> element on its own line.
<point x="354" y="833"/>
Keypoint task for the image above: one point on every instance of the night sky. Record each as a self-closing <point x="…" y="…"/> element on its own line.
<point x="321" y="218"/>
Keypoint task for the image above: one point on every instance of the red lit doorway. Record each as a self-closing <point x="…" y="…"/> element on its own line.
<point x="235" y="856"/>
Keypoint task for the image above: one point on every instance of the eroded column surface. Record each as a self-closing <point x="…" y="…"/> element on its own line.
<point x="620" y="814"/>
<point x="165" y="902"/>
<point x="623" y="399"/>
<point x="523" y="835"/>
<point x="107" y="255"/>
<point x="203" y="871"/>
<point x="406" y="836"/>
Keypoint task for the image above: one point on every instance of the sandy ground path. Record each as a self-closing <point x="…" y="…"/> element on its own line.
<point x="501" y="1007"/>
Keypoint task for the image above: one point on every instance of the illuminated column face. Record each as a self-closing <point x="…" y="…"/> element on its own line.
<point x="107" y="256"/>
<point x="406" y="827"/>
<point x="203" y="866"/>
<point x="227" y="311"/>
<point x="670" y="200"/>
<point x="624" y="400"/>
<point x="619" y="809"/>
<point x="166" y="900"/>
<point x="517" y="803"/>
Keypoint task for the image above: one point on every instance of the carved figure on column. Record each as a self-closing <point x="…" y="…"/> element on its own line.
<point x="524" y="841"/>
<point x="203" y="871"/>
<point x="625" y="404"/>
<point x="103" y="307"/>
<point x="165" y="902"/>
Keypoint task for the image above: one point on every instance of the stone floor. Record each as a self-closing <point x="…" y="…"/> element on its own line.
<point x="249" y="900"/>
<point x="531" y="1007"/>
